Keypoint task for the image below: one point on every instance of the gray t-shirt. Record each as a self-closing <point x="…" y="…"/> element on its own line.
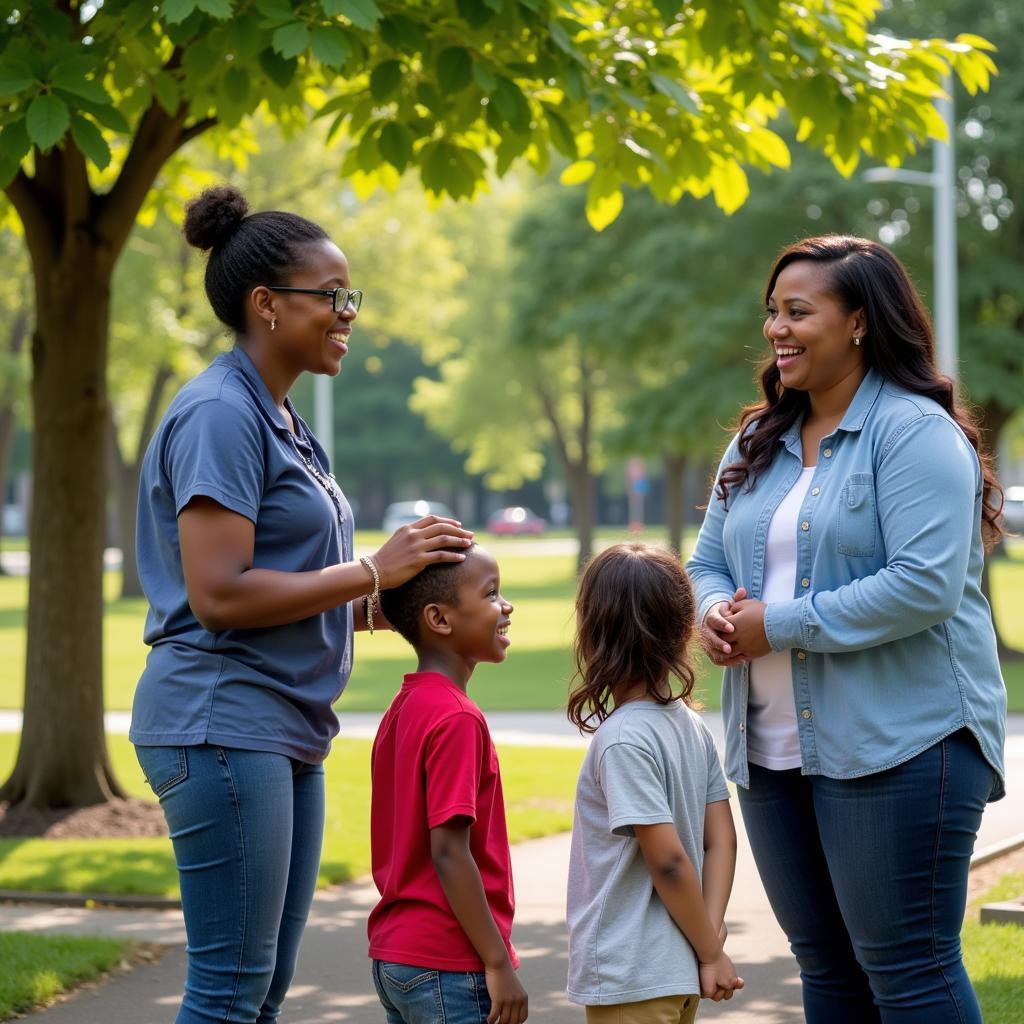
<point x="648" y="763"/>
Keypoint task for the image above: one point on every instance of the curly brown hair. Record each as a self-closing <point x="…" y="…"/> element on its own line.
<point x="898" y="343"/>
<point x="635" y="616"/>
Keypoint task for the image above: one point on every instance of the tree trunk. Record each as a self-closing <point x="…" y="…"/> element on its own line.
<point x="126" y="477"/>
<point x="62" y="760"/>
<point x="8" y="416"/>
<point x="675" y="471"/>
<point x="582" y="494"/>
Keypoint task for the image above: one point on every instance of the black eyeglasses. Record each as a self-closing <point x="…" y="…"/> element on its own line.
<point x="340" y="297"/>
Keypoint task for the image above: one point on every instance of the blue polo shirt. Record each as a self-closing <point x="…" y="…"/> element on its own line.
<point x="255" y="689"/>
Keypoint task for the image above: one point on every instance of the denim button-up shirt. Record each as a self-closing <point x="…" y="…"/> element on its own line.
<point x="891" y="638"/>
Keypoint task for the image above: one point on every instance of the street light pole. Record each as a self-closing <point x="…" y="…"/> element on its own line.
<point x="323" y="414"/>
<point x="945" y="307"/>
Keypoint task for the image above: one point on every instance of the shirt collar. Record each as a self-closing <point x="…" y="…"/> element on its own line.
<point x="854" y="417"/>
<point x="241" y="359"/>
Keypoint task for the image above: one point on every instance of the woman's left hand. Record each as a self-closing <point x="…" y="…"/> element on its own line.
<point x="748" y="636"/>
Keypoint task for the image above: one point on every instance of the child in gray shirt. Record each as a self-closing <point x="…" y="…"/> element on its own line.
<point x="653" y="844"/>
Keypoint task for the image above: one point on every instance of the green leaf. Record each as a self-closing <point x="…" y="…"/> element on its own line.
<point x="512" y="105"/>
<point x="14" y="141"/>
<point x="395" y="145"/>
<point x="89" y="140"/>
<point x="290" y="40"/>
<point x="575" y="88"/>
<point x="79" y="86"/>
<point x="237" y="85"/>
<point x="176" y="11"/>
<point x="332" y="8"/>
<point x="484" y="77"/>
<point x="13" y="81"/>
<point x="668" y="9"/>
<point x="247" y="38"/>
<point x="220" y="9"/>
<point x="561" y="134"/>
<point x="331" y="46"/>
<point x="107" y="115"/>
<point x="47" y="121"/>
<point x="474" y="12"/>
<point x="454" y="69"/>
<point x="385" y="79"/>
<point x="167" y="92"/>
<point x="603" y="209"/>
<point x="276" y="12"/>
<point x="14" y="145"/>
<point x="362" y="13"/>
<point x="279" y="70"/>
<point x="730" y="185"/>
<point x="402" y="33"/>
<point x="577" y="173"/>
<point x="675" y="92"/>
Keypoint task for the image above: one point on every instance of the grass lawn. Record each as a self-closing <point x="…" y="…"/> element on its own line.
<point x="539" y="785"/>
<point x="38" y="967"/>
<point x="994" y="954"/>
<point x="535" y="676"/>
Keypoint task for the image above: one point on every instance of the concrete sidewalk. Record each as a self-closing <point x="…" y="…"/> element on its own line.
<point x="333" y="980"/>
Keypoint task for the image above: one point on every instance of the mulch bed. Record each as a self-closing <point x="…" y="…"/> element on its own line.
<point x="119" y="819"/>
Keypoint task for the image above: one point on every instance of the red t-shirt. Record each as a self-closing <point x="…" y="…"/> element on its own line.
<point x="433" y="759"/>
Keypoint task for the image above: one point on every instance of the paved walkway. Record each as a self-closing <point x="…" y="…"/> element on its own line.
<point x="333" y="982"/>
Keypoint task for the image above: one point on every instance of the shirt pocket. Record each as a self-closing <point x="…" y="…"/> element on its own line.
<point x="857" y="528"/>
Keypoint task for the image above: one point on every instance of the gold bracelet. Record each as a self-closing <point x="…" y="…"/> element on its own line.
<point x="371" y="600"/>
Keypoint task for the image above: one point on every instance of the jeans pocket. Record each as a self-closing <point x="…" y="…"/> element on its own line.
<point x="164" y="767"/>
<point x="857" y="529"/>
<point x="404" y="978"/>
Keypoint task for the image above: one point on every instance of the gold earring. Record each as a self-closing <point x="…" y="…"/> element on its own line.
<point x="273" y="323"/>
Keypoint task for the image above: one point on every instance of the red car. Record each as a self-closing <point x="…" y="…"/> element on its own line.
<point x="515" y="520"/>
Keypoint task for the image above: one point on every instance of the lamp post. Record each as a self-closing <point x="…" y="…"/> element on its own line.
<point x="942" y="178"/>
<point x="323" y="414"/>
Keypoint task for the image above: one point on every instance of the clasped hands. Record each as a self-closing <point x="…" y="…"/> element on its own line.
<point x="732" y="632"/>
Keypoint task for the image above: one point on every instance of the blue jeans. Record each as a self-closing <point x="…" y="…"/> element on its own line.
<point x="247" y="828"/>
<point x="868" y="879"/>
<point x="421" y="995"/>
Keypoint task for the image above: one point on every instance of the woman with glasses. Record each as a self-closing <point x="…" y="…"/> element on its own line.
<point x="245" y="554"/>
<point x="838" y="575"/>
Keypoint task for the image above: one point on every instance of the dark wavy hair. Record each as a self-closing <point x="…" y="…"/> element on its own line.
<point x="898" y="343"/>
<point x="635" y="614"/>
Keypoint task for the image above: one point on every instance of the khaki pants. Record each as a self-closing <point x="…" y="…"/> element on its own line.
<point x="666" y="1010"/>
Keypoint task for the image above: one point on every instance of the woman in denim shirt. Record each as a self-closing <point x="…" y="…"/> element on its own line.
<point x="838" y="577"/>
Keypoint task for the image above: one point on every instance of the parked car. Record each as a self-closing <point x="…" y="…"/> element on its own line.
<point x="1013" y="509"/>
<point x="402" y="512"/>
<point x="515" y="520"/>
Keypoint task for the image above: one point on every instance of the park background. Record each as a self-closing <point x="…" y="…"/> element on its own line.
<point x="507" y="353"/>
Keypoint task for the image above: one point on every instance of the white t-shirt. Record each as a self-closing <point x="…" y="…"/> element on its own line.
<point x="772" y="737"/>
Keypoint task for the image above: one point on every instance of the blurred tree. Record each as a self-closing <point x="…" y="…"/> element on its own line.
<point x="97" y="98"/>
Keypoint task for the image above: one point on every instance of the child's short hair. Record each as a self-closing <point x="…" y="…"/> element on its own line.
<point x="635" y="613"/>
<point x="436" y="584"/>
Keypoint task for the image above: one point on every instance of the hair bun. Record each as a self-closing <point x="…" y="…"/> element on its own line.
<point x="213" y="217"/>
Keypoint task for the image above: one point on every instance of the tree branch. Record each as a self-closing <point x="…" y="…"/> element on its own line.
<point x="157" y="137"/>
<point x="26" y="198"/>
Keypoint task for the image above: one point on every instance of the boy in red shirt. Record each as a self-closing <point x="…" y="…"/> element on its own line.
<point x="440" y="935"/>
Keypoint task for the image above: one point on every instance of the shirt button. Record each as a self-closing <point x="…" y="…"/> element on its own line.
<point x="743" y="728"/>
<point x="805" y="714"/>
<point x="815" y="492"/>
<point x="828" y="453"/>
<point x="805" y="526"/>
<point x="805" y="582"/>
<point x="801" y="655"/>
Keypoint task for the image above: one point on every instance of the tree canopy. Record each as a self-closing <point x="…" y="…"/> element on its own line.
<point x="677" y="97"/>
